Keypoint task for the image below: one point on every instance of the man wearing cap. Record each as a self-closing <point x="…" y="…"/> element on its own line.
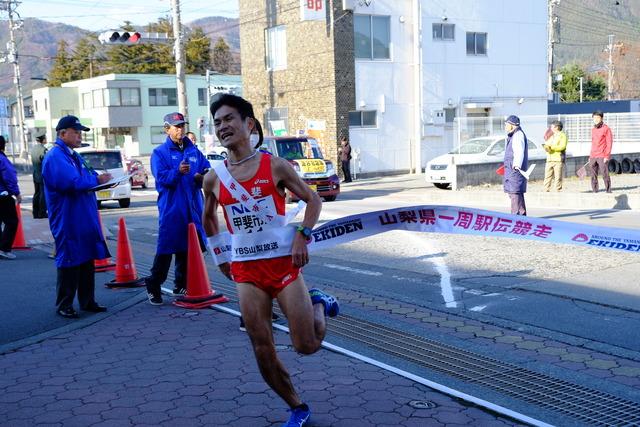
<point x="515" y="160"/>
<point x="73" y="218"/>
<point x="601" y="142"/>
<point x="37" y="156"/>
<point x="178" y="167"/>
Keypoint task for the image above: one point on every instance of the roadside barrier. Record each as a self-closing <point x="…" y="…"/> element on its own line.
<point x="126" y="274"/>
<point x="199" y="292"/>
<point x="19" y="242"/>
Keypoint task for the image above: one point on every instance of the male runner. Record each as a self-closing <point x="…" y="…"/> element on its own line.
<point x="277" y="252"/>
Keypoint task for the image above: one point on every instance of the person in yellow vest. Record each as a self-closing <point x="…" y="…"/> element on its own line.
<point x="556" y="147"/>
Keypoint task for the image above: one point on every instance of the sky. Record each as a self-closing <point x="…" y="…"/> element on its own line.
<point x="95" y="15"/>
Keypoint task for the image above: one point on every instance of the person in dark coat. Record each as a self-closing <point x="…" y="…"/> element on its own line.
<point x="516" y="160"/>
<point x="37" y="156"/>
<point x="345" y="158"/>
<point x="178" y="167"/>
<point x="73" y="219"/>
<point x="8" y="214"/>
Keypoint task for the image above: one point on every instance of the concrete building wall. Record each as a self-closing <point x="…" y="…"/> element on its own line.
<point x="307" y="87"/>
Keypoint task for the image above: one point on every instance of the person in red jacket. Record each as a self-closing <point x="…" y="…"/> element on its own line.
<point x="601" y="141"/>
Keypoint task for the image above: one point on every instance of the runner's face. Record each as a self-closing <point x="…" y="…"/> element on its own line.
<point x="230" y="129"/>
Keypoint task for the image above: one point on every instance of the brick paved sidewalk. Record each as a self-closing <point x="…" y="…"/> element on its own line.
<point x="166" y="366"/>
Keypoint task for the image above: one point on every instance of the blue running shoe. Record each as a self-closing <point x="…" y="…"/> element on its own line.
<point x="331" y="306"/>
<point x="299" y="416"/>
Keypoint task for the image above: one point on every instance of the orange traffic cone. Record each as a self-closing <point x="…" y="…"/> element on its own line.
<point x="105" y="264"/>
<point x="126" y="274"/>
<point x="19" y="242"/>
<point x="500" y="170"/>
<point x="199" y="292"/>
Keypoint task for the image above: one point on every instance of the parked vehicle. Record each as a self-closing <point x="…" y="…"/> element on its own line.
<point x="140" y="176"/>
<point x="305" y="156"/>
<point x="489" y="149"/>
<point x="111" y="161"/>
<point x="215" y="158"/>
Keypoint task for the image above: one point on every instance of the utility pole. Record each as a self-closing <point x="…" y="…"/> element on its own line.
<point x="210" y="125"/>
<point x="610" y="68"/>
<point x="581" y="91"/>
<point x="180" y="59"/>
<point x="10" y="6"/>
<point x="552" y="40"/>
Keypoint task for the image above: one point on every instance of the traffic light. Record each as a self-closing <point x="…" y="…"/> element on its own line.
<point x="120" y="37"/>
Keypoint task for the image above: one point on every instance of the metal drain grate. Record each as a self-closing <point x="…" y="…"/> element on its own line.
<point x="577" y="402"/>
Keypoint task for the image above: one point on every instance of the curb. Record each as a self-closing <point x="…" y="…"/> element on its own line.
<point x="78" y="324"/>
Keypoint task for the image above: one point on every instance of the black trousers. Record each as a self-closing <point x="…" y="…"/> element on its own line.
<point x="160" y="271"/>
<point x="346" y="170"/>
<point x="80" y="278"/>
<point x="517" y="204"/>
<point x="598" y="164"/>
<point x="8" y="221"/>
<point x="39" y="202"/>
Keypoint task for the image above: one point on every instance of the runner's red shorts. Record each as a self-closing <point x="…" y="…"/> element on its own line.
<point x="271" y="275"/>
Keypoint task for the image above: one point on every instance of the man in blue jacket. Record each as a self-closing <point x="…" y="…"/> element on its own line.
<point x="178" y="167"/>
<point x="8" y="214"/>
<point x="73" y="218"/>
<point x="516" y="159"/>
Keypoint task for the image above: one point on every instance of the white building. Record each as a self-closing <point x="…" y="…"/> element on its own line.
<point x="124" y="110"/>
<point x="444" y="59"/>
<point x="395" y="74"/>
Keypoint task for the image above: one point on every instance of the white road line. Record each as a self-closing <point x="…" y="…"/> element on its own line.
<point x="352" y="270"/>
<point x="436" y="386"/>
<point x="478" y="308"/>
<point x="441" y="267"/>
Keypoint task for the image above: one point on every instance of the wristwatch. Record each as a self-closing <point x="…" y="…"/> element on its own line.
<point x="306" y="231"/>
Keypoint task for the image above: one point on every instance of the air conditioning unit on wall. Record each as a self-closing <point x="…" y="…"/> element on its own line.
<point x="348" y="4"/>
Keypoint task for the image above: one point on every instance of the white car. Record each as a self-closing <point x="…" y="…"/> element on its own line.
<point x="215" y="159"/>
<point x="487" y="149"/>
<point x="111" y="161"/>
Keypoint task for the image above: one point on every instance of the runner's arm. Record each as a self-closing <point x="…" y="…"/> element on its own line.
<point x="210" y="214"/>
<point x="286" y="177"/>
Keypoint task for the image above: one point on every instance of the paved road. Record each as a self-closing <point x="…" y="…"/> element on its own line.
<point x="567" y="311"/>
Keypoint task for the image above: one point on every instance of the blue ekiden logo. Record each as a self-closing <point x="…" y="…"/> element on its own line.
<point x="630" y="245"/>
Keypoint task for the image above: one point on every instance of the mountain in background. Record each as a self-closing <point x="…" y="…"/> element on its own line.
<point x="584" y="27"/>
<point x="38" y="42"/>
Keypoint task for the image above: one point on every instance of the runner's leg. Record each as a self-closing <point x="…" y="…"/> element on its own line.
<point x="307" y="324"/>
<point x="256" y="307"/>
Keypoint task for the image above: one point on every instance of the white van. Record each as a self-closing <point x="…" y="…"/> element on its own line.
<point x="111" y="161"/>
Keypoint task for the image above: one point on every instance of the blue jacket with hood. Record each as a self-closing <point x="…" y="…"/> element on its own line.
<point x="72" y="206"/>
<point x="179" y="196"/>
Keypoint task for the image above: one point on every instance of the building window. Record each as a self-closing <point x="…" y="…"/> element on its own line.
<point x="363" y="119"/>
<point x="98" y="100"/>
<point x="112" y="97"/>
<point x="45" y="104"/>
<point x="86" y="101"/>
<point x="444" y="31"/>
<point x="28" y="111"/>
<point x="276" y="48"/>
<point x="372" y="36"/>
<point x="476" y="43"/>
<point x="35" y="103"/>
<point x="162" y="97"/>
<point x="158" y="135"/>
<point x="130" y="97"/>
<point x="449" y="115"/>
<point x="202" y="96"/>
